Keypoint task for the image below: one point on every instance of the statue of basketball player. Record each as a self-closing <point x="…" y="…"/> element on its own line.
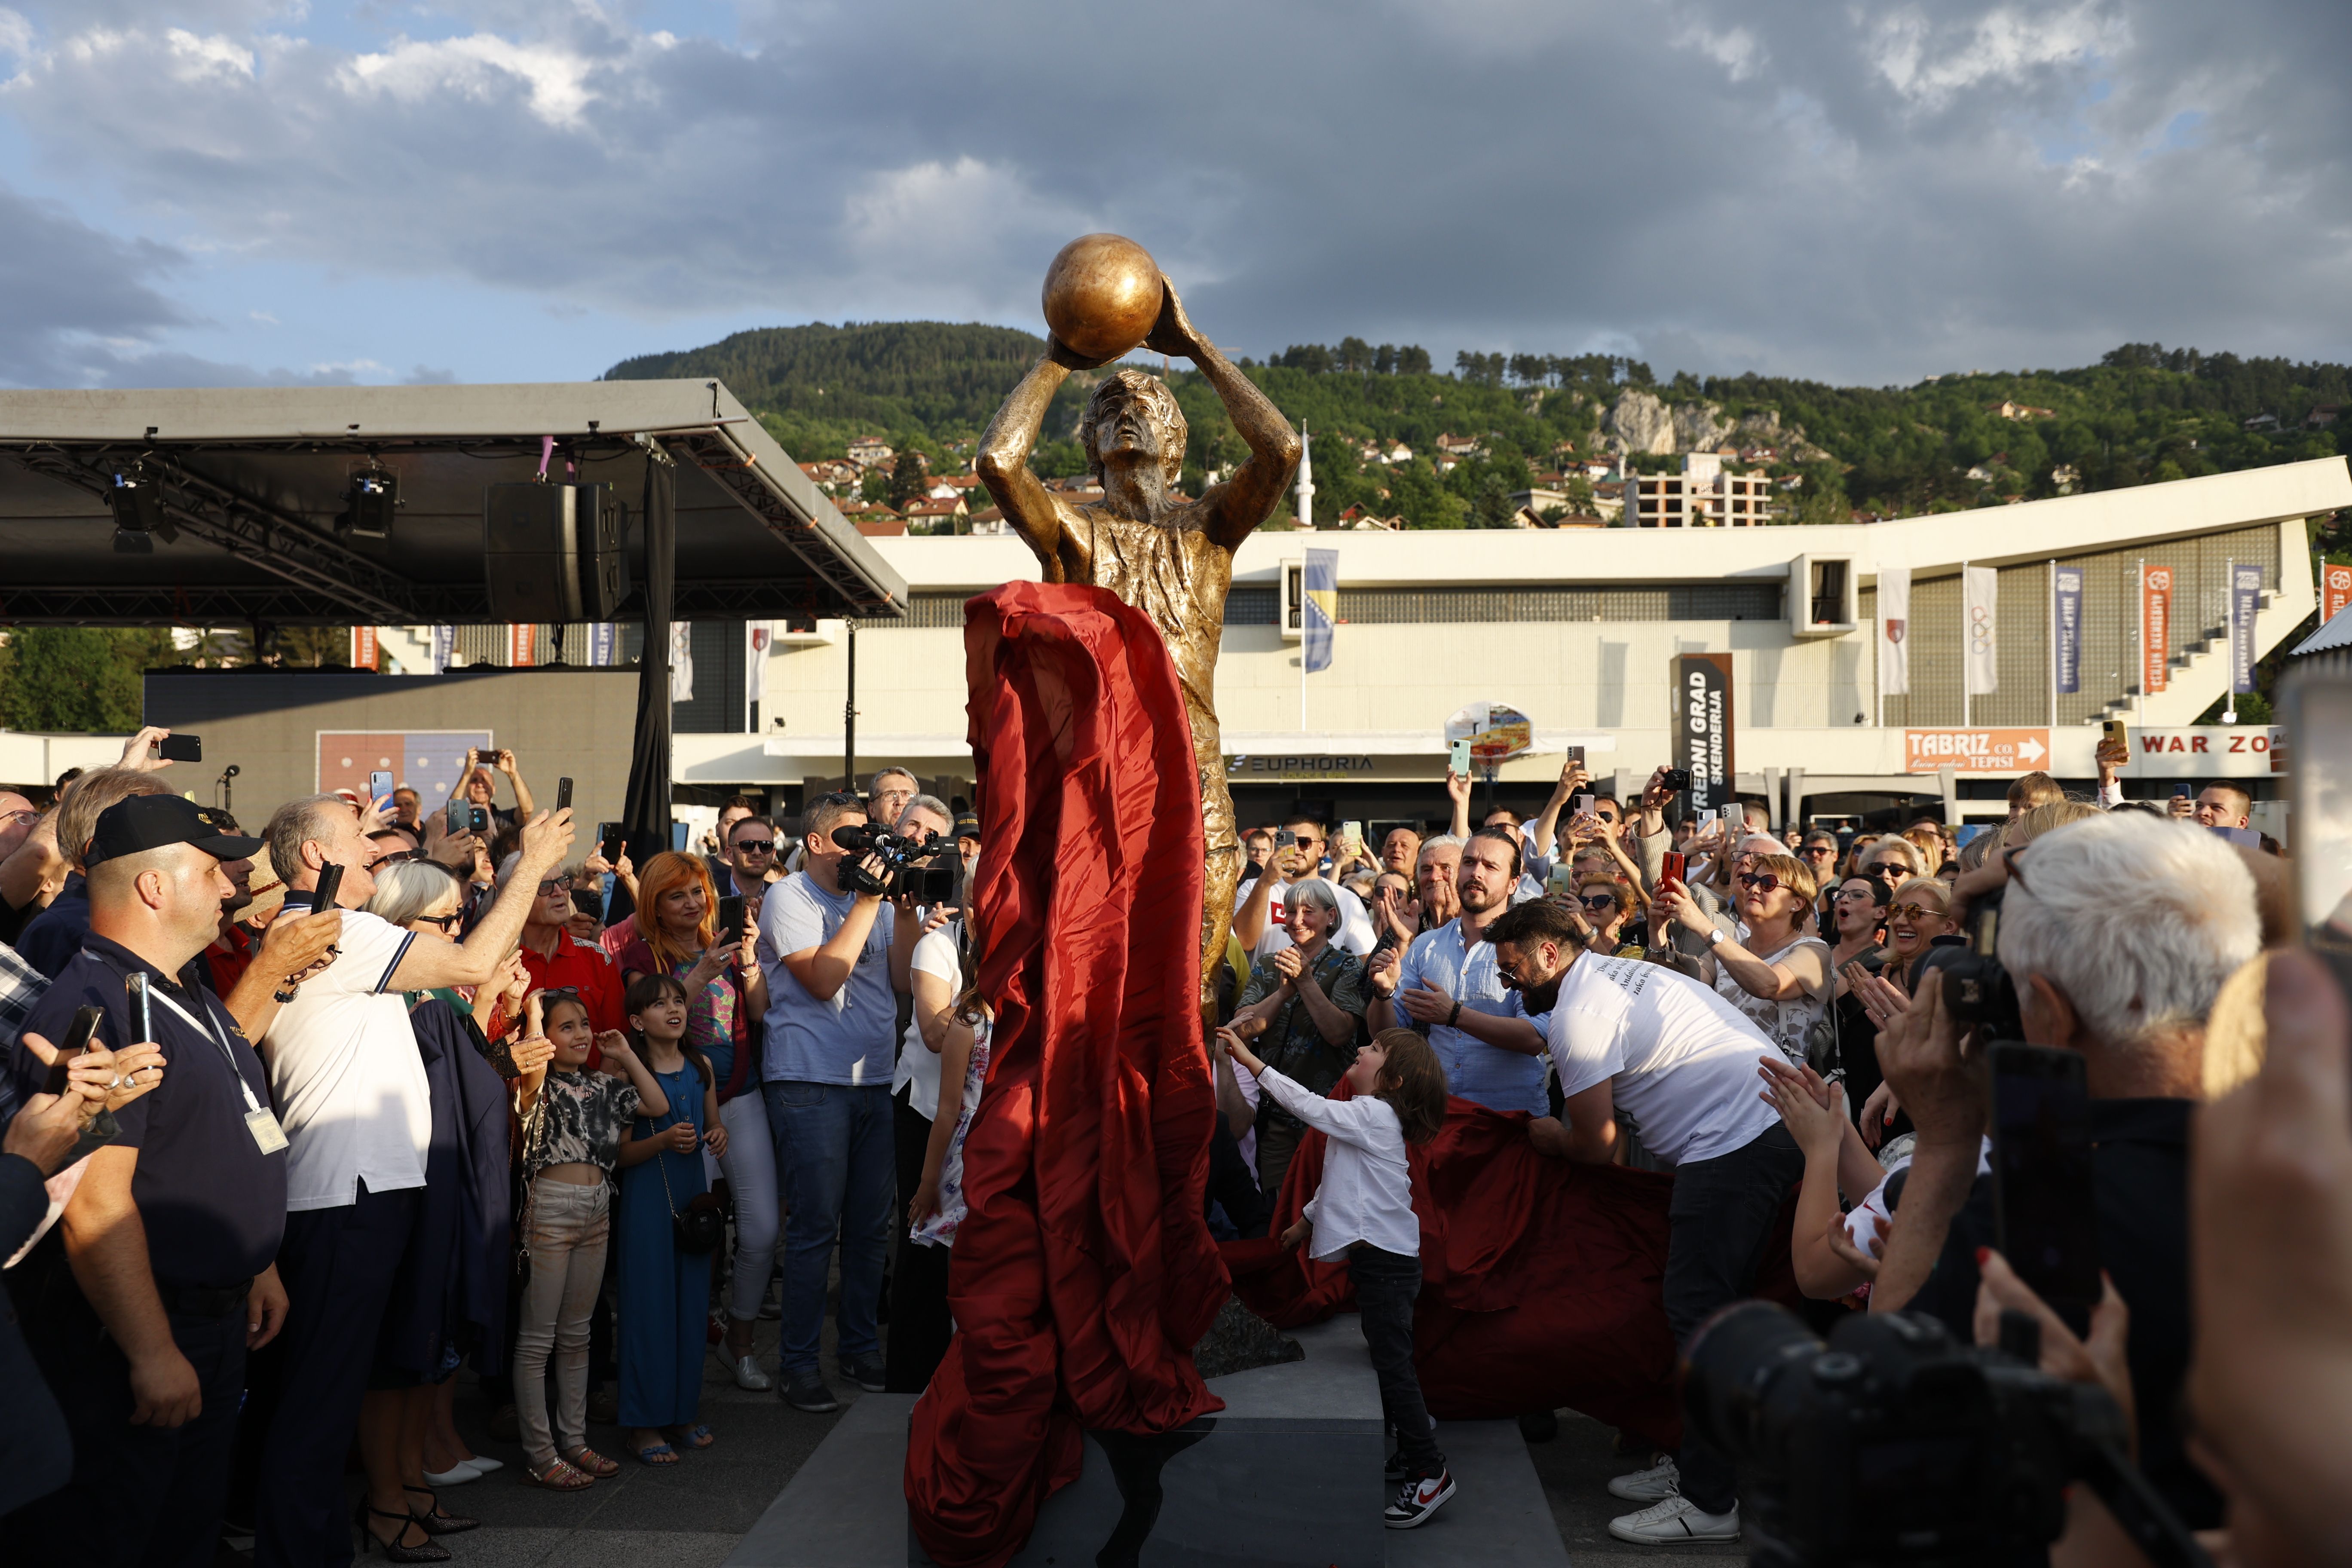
<point x="1169" y="556"/>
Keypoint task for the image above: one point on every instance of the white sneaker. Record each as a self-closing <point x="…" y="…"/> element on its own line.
<point x="1674" y="1521"/>
<point x="749" y="1375"/>
<point x="457" y="1474"/>
<point x="483" y="1463"/>
<point x="1655" y="1484"/>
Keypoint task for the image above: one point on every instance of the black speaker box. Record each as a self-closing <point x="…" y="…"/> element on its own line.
<point x="553" y="553"/>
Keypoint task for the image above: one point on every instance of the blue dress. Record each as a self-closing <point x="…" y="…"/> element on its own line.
<point x="664" y="1293"/>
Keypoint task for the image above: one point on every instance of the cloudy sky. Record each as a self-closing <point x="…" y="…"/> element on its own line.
<point x="198" y="192"/>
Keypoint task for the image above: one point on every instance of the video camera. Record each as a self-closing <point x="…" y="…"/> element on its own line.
<point x="905" y="875"/>
<point x="1892" y="1444"/>
<point x="1977" y="991"/>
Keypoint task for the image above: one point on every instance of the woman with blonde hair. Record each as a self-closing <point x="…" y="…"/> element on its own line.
<point x="1779" y="977"/>
<point x="675" y="925"/>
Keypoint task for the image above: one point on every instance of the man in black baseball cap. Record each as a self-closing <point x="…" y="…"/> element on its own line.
<point x="150" y="822"/>
<point x="141" y="1305"/>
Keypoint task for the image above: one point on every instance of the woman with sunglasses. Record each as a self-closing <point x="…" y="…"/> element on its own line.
<point x="1857" y="911"/>
<point x="1778" y="977"/>
<point x="677" y="936"/>
<point x="1606" y="905"/>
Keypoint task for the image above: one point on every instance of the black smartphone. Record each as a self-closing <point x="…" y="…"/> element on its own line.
<point x="611" y="840"/>
<point x="731" y="917"/>
<point x="456" y="815"/>
<point x="1576" y="756"/>
<point x="331" y="884"/>
<point x="477" y="819"/>
<point x="181" y="748"/>
<point x="77" y="1040"/>
<point x="2181" y="792"/>
<point x="1676" y="779"/>
<point x="588" y="902"/>
<point x="564" y="795"/>
<point x="2045" y="1204"/>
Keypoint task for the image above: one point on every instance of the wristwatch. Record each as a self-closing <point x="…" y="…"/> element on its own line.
<point x="1454" y="1019"/>
<point x="1715" y="937"/>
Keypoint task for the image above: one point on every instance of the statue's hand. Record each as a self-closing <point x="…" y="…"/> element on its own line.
<point x="1172" y="334"/>
<point x="1068" y="358"/>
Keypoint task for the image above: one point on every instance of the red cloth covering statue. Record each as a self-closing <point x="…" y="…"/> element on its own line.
<point x="1541" y="1278"/>
<point x="1084" y="1272"/>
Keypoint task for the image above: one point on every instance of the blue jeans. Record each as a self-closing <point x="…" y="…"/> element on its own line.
<point x="834" y="1150"/>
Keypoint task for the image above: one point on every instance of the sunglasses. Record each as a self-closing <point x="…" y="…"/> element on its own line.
<point x="444" y="921"/>
<point x="1917" y="911"/>
<point x="756" y="845"/>
<point x="1598" y="901"/>
<point x="561" y="992"/>
<point x="551" y="886"/>
<point x="1818" y="850"/>
<point x="1759" y="881"/>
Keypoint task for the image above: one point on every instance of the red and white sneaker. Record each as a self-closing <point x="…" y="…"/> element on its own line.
<point x="1417" y="1500"/>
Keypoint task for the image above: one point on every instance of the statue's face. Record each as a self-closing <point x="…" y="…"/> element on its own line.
<point x="1126" y="434"/>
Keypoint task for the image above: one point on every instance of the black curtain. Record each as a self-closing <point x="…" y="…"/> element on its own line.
<point x="647" y="808"/>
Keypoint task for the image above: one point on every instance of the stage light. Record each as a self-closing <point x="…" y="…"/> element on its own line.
<point x="137" y="501"/>
<point x="374" y="495"/>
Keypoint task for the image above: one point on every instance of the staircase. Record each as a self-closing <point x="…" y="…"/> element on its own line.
<point x="2195" y="676"/>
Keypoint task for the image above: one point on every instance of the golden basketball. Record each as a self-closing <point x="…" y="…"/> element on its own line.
<point x="1102" y="295"/>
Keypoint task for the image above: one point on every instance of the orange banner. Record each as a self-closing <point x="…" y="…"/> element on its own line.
<point x="523" y="650"/>
<point x="2155" y="627"/>
<point x="364" y="651"/>
<point x="2335" y="590"/>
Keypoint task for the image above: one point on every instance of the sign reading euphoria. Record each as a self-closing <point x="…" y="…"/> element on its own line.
<point x="1321" y="765"/>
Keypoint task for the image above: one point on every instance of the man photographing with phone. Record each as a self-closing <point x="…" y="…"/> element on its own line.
<point x="2117" y="933"/>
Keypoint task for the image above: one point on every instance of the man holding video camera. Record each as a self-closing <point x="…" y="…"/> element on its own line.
<point x="2116" y="932"/>
<point x="826" y="936"/>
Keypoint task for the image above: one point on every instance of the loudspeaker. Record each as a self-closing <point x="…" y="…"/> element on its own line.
<point x="553" y="553"/>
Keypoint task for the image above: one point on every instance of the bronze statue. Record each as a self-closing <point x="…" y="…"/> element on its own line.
<point x="1169" y="556"/>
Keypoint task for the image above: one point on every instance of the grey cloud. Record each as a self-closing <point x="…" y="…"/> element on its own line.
<point x="67" y="292"/>
<point x="1801" y="188"/>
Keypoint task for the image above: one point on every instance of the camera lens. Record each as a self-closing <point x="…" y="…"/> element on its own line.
<point x="1734" y="1363"/>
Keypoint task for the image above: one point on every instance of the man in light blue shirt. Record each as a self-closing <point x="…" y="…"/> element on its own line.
<point x="1445" y="987"/>
<point x="826" y="1067"/>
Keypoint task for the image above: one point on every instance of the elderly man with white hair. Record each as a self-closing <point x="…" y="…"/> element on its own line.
<point x="2118" y="932"/>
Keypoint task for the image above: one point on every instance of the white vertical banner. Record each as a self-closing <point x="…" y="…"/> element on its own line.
<point x="681" y="661"/>
<point x="1981" y="589"/>
<point x="757" y="637"/>
<point x="1894" y="631"/>
<point x="445" y="641"/>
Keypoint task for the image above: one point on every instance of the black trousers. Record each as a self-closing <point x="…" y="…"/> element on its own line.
<point x="337" y="1267"/>
<point x="141" y="1497"/>
<point x="1387" y="1284"/>
<point x="1232" y="1186"/>
<point x="1719" y="1219"/>
<point x="920" y="1325"/>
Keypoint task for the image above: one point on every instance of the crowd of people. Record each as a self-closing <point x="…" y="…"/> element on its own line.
<point x="508" y="1100"/>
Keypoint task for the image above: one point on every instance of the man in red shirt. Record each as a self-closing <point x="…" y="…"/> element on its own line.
<point x="556" y="959"/>
<point x="232" y="949"/>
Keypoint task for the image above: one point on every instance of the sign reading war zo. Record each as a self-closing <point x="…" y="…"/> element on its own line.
<point x="1702" y="725"/>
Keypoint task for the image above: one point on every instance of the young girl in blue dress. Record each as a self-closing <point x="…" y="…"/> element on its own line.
<point x="664" y="1291"/>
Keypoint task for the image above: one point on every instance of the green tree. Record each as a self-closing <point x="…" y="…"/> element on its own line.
<point x="908" y="480"/>
<point x="77" y="678"/>
<point x="1417" y="496"/>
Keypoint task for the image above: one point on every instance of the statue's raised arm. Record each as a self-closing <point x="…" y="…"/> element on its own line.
<point x="1003" y="460"/>
<point x="1234" y="508"/>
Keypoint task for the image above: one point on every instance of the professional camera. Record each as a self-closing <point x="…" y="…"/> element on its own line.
<point x="1892" y="1444"/>
<point x="905" y="873"/>
<point x="1977" y="991"/>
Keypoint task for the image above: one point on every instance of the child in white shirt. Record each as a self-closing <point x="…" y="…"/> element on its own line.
<point x="1364" y="1212"/>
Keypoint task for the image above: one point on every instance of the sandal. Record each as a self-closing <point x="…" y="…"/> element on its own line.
<point x="657" y="1454"/>
<point x="589" y="1462"/>
<point x="695" y="1436"/>
<point x="558" y="1476"/>
<point x="437" y="1522"/>
<point x="393" y="1552"/>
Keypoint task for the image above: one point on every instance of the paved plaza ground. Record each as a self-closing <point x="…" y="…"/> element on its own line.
<point x="691" y="1514"/>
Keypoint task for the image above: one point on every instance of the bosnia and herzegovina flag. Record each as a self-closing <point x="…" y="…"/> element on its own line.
<point x="1321" y="611"/>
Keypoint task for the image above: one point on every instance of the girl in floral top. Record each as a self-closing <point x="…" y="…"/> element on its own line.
<point x="573" y="1122"/>
<point x="939" y="1206"/>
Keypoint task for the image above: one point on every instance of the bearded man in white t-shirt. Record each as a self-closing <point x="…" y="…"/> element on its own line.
<point x="1681" y="1062"/>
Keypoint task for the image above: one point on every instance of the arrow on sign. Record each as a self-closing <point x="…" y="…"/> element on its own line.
<point x="2030" y="749"/>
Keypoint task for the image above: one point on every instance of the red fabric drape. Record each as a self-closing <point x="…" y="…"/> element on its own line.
<point x="1540" y="1279"/>
<point x="1084" y="1272"/>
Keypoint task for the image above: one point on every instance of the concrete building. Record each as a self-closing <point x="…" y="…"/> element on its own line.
<point x="1701" y="496"/>
<point x="1576" y="630"/>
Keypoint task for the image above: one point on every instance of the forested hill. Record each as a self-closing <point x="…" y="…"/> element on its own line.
<point x="2144" y="413"/>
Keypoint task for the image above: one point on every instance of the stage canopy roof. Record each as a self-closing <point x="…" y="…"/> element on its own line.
<point x="255" y="480"/>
